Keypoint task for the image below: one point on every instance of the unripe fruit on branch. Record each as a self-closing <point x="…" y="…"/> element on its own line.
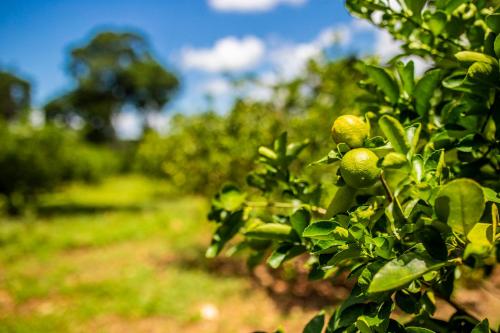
<point x="351" y="130"/>
<point x="359" y="168"/>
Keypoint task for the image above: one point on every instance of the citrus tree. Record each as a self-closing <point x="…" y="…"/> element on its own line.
<point x="417" y="183"/>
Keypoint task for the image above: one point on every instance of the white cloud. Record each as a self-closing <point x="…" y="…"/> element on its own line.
<point x="251" y="5"/>
<point x="385" y="46"/>
<point x="217" y="86"/>
<point x="290" y="58"/>
<point x="227" y="54"/>
<point x="128" y="125"/>
<point x="159" y="121"/>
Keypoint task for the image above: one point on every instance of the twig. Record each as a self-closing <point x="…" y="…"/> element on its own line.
<point x="285" y="205"/>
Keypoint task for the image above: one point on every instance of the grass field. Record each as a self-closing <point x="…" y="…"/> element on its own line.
<point x="123" y="256"/>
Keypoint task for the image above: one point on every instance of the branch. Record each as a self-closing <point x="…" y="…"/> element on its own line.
<point x="285" y="205"/>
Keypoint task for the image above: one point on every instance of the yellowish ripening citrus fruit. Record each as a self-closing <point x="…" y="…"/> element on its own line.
<point x="359" y="168"/>
<point x="350" y="130"/>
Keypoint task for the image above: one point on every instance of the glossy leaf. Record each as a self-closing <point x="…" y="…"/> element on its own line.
<point x="316" y="324"/>
<point x="394" y="161"/>
<point x="341" y="201"/>
<point x="300" y="219"/>
<point x="399" y="272"/>
<point x="425" y="89"/>
<point x="272" y="231"/>
<point x="415" y="6"/>
<point x="460" y="203"/>
<point x="352" y="252"/>
<point x="470" y="57"/>
<point x="437" y="22"/>
<point x="384" y="81"/>
<point x="481" y="234"/>
<point x="326" y="230"/>
<point x="395" y="133"/>
<point x="407" y="75"/>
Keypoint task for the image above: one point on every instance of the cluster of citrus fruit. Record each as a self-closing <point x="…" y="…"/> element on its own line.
<point x="358" y="166"/>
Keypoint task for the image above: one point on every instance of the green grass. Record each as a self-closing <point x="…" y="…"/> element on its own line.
<point x="122" y="256"/>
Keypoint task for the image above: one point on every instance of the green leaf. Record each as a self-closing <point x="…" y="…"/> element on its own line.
<point x="491" y="195"/>
<point x="375" y="142"/>
<point x="284" y="252"/>
<point x="326" y="230"/>
<point x="482" y="327"/>
<point x="496" y="46"/>
<point x="413" y="137"/>
<point x="300" y="220"/>
<point x="363" y="325"/>
<point x="375" y="319"/>
<point x="425" y="89"/>
<point x="294" y="149"/>
<point x="272" y="231"/>
<point x="395" y="133"/>
<point x="407" y="75"/>
<point x="481" y="234"/>
<point x="394" y="161"/>
<point x="471" y="56"/>
<point x="433" y="242"/>
<point x="341" y="201"/>
<point x="267" y="153"/>
<point x="399" y="272"/>
<point x="437" y="22"/>
<point x="495" y="221"/>
<point x="333" y="156"/>
<point x="440" y="166"/>
<point x="451" y="5"/>
<point x="460" y="203"/>
<point x="493" y="22"/>
<point x="407" y="302"/>
<point x="483" y="73"/>
<point x="418" y="167"/>
<point x="385" y="82"/>
<point x="231" y="198"/>
<point x="352" y="252"/>
<point x="384" y="246"/>
<point x="415" y="6"/>
<point x="280" y="145"/>
<point x="224" y="233"/>
<point x="316" y="324"/>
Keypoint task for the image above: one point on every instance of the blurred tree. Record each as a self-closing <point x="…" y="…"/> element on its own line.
<point x="220" y="148"/>
<point x="112" y="71"/>
<point x="15" y="96"/>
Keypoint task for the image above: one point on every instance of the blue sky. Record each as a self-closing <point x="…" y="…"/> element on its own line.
<point x="198" y="39"/>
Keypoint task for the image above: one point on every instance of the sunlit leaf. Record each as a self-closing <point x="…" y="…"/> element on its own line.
<point x="385" y="82"/>
<point x="395" y="133"/>
<point x="460" y="203"/>
<point x="401" y="271"/>
<point x="425" y="89"/>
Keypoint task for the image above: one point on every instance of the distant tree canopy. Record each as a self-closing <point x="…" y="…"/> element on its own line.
<point x="112" y="71"/>
<point x="15" y="96"/>
<point x="219" y="148"/>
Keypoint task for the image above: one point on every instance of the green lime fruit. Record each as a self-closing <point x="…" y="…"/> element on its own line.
<point x="359" y="168"/>
<point x="351" y="130"/>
